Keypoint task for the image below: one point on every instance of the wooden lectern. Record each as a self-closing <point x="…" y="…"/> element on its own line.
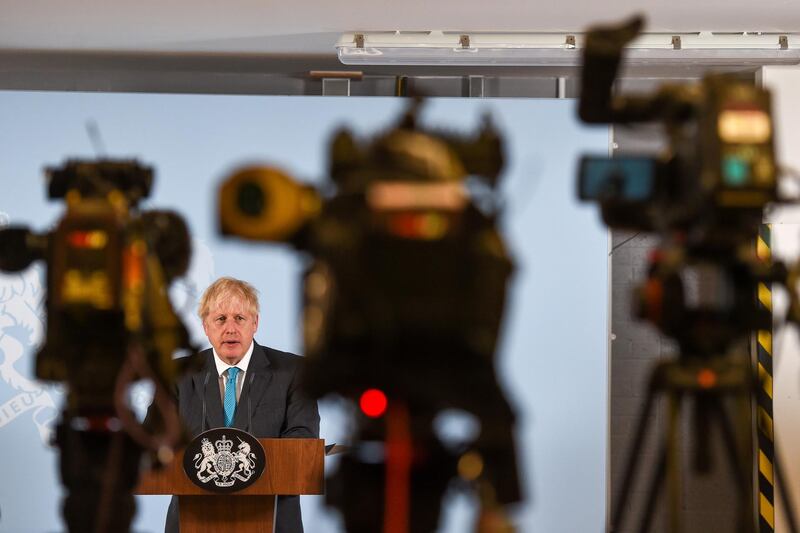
<point x="294" y="466"/>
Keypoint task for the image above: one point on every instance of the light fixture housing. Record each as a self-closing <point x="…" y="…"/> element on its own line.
<point x="560" y="49"/>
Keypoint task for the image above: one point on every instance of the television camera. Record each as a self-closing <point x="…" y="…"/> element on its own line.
<point x="705" y="194"/>
<point x="705" y="197"/>
<point x="109" y="323"/>
<point x="402" y="303"/>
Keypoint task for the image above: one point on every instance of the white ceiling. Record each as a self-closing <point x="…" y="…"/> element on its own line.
<point x="312" y="26"/>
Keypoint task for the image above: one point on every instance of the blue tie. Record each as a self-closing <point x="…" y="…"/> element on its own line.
<point x="230" y="395"/>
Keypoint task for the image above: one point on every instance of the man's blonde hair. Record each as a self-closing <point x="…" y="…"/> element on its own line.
<point x="225" y="288"/>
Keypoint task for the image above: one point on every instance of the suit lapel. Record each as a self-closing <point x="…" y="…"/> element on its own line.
<point x="215" y="417"/>
<point x="257" y="379"/>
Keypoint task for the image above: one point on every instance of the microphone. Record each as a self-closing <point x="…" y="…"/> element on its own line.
<point x="203" y="420"/>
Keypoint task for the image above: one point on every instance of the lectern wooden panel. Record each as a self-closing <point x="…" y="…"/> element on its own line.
<point x="204" y="514"/>
<point x="294" y="466"/>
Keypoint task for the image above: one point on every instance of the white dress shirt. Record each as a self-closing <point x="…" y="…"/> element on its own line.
<point x="222" y="371"/>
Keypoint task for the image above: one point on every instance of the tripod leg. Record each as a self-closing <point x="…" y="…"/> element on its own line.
<point x="655" y="484"/>
<point x="674" y="465"/>
<point x="630" y="466"/>
<point x="702" y="417"/>
<point x="729" y="442"/>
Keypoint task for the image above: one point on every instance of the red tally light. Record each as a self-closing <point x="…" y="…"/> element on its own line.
<point x="373" y="403"/>
<point x="405" y="225"/>
<point x="79" y="239"/>
<point x="427" y="226"/>
<point x="87" y="239"/>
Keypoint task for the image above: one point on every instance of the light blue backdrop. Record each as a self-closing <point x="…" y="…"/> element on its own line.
<point x="553" y="357"/>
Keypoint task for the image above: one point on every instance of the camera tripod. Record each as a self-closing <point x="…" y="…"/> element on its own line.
<point x="705" y="382"/>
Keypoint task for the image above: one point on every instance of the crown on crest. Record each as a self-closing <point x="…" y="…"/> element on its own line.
<point x="224" y="445"/>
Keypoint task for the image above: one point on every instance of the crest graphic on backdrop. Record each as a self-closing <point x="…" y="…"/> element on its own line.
<point x="22" y="321"/>
<point x="224" y="460"/>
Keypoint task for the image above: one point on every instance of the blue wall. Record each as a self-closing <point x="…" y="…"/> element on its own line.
<point x="553" y="354"/>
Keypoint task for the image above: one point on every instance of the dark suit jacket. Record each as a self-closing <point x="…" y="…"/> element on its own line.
<point x="271" y="405"/>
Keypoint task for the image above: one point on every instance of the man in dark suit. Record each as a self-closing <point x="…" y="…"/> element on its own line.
<point x="264" y="382"/>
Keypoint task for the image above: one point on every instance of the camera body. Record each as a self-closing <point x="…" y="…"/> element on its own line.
<point x="403" y="292"/>
<point x="704" y="195"/>
<point x="108" y="269"/>
<point x="109" y="324"/>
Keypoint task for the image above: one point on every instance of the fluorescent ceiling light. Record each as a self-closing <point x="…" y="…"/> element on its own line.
<point x="560" y="49"/>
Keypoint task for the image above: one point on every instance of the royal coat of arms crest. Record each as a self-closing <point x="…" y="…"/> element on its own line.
<point x="224" y="460"/>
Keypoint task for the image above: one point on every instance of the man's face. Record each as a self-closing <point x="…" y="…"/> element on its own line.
<point x="230" y="326"/>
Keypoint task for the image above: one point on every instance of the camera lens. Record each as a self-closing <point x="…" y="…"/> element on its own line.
<point x="251" y="199"/>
